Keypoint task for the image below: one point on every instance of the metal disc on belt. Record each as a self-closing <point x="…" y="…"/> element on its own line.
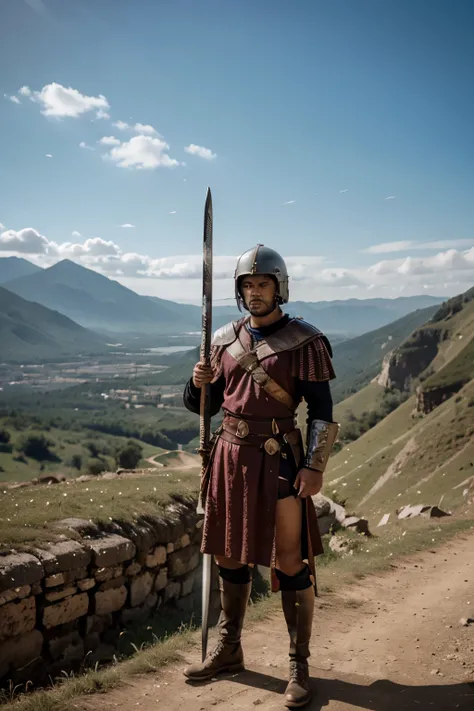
<point x="271" y="446"/>
<point x="242" y="429"/>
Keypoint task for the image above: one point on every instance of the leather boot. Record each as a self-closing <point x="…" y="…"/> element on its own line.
<point x="298" y="607"/>
<point x="227" y="655"/>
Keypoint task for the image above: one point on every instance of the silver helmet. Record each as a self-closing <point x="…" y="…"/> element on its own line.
<point x="262" y="260"/>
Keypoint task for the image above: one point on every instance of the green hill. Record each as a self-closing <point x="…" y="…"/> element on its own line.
<point x="423" y="451"/>
<point x="30" y="332"/>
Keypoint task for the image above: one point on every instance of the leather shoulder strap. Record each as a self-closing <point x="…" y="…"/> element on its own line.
<point x="249" y="361"/>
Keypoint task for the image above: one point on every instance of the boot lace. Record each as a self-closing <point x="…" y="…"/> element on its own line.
<point x="299" y="673"/>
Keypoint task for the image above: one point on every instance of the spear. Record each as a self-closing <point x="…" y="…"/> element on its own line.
<point x="205" y="410"/>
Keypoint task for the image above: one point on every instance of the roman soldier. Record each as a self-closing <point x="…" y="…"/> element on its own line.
<point x="259" y="481"/>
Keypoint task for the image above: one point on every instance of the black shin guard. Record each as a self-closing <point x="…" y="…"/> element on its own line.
<point x="238" y="576"/>
<point x="300" y="581"/>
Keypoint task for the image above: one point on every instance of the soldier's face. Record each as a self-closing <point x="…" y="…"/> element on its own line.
<point x="259" y="292"/>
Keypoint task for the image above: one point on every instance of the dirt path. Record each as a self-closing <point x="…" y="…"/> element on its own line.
<point x="393" y="643"/>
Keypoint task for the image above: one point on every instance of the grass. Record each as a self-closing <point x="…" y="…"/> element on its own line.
<point x="27" y="515"/>
<point x="65" y="444"/>
<point x="455" y="373"/>
<point x="441" y="458"/>
<point x="372" y="556"/>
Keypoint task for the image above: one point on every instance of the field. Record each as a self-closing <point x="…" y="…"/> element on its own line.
<point x="28" y="515"/>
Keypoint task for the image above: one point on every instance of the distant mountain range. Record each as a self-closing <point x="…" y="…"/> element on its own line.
<point x="104" y="305"/>
<point x="29" y="331"/>
<point x="356" y="361"/>
<point x="99" y="303"/>
<point x="14" y="267"/>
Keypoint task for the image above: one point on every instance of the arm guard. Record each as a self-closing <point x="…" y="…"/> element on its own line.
<point x="321" y="438"/>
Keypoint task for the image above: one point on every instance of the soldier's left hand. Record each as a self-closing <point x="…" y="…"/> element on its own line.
<point x="308" y="482"/>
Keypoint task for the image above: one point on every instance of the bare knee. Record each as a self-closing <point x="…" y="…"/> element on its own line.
<point x="289" y="561"/>
<point x="229" y="563"/>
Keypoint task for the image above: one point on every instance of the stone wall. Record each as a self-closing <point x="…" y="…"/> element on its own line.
<point x="72" y="598"/>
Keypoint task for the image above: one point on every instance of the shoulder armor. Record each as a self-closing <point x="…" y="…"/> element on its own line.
<point x="296" y="334"/>
<point x="227" y="334"/>
<point x="304" y="329"/>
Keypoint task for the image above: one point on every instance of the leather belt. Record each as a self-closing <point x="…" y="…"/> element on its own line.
<point x="252" y="432"/>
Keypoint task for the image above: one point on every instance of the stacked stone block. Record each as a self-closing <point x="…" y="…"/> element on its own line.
<point x="68" y="601"/>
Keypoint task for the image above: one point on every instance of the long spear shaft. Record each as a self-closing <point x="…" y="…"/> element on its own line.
<point x="205" y="412"/>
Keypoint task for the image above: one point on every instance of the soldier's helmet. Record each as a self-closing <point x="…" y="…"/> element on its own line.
<point x="262" y="260"/>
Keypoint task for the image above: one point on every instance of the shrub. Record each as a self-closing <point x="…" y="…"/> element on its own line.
<point x="6" y="447"/>
<point x="128" y="456"/>
<point x="96" y="466"/>
<point x="76" y="461"/>
<point x="4" y="436"/>
<point x="38" y="447"/>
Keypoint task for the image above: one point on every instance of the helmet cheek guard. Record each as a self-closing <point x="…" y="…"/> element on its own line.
<point x="262" y="260"/>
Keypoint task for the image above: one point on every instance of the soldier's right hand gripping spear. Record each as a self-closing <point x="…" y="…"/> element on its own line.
<point x="205" y="413"/>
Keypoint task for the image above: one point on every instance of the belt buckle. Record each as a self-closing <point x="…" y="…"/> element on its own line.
<point x="271" y="446"/>
<point x="242" y="429"/>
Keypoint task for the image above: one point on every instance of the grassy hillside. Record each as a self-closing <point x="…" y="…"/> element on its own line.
<point x="30" y="332"/>
<point x="71" y="452"/>
<point x="358" y="360"/>
<point x="409" y="460"/>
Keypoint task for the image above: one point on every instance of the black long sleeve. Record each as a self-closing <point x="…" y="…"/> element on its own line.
<point x="192" y="396"/>
<point x="318" y="398"/>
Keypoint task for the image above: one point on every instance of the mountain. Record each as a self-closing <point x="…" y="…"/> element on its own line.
<point x="356" y="316"/>
<point x="348" y="318"/>
<point x="104" y="305"/>
<point x="431" y="364"/>
<point x="14" y="267"/>
<point x="423" y="451"/>
<point x="31" y="332"/>
<point x="358" y="360"/>
<point x="99" y="303"/>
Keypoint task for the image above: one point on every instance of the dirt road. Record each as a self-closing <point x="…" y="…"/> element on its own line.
<point x="393" y="643"/>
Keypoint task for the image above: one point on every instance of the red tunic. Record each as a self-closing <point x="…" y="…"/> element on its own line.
<point x="241" y="486"/>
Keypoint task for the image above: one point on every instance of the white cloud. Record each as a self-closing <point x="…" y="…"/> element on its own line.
<point x="61" y="101"/>
<point x="343" y="191"/>
<point x="142" y="152"/>
<point x="390" y="197"/>
<point x="200" y="151"/>
<point x="25" y="91"/>
<point x="311" y="278"/>
<point x="101" y="114"/>
<point x="93" y="247"/>
<point x="14" y="99"/>
<point x="144" y="128"/>
<point x="127" y="225"/>
<point x="407" y="245"/>
<point x="48" y="155"/>
<point x="2" y="226"/>
<point x="289" y="202"/>
<point x="109" y="141"/>
<point x="121" y="125"/>
<point x="83" y="144"/>
<point x="25" y="241"/>
<point x="173" y="212"/>
<point x="387" y="247"/>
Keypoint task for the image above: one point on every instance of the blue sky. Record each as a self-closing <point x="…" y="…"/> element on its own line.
<point x="337" y="132"/>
